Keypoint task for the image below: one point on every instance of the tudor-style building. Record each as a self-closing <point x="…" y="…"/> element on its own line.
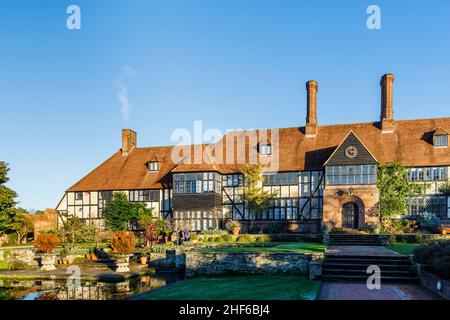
<point x="324" y="175"/>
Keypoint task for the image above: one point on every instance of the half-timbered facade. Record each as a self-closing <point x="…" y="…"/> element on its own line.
<point x="324" y="175"/>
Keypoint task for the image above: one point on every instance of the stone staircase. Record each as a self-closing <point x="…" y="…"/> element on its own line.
<point x="351" y="239"/>
<point x="354" y="268"/>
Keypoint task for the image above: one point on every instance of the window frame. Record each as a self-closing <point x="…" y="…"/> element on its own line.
<point x="153" y="166"/>
<point x="265" y="149"/>
<point x="441" y="140"/>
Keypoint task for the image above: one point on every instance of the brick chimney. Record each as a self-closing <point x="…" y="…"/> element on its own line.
<point x="311" y="109"/>
<point x="387" y="123"/>
<point x="128" y="141"/>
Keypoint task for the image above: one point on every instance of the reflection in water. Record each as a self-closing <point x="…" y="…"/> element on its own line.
<point x="88" y="290"/>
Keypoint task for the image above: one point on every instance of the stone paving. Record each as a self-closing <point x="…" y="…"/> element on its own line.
<point x="361" y="251"/>
<point x="359" y="291"/>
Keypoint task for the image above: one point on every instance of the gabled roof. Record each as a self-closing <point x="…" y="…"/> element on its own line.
<point x="411" y="144"/>
<point x="129" y="172"/>
<point x="441" y="132"/>
<point x="363" y="155"/>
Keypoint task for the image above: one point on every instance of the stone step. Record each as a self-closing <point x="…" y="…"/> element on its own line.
<point x="362" y="279"/>
<point x="333" y="265"/>
<point x="352" y="243"/>
<point x="363" y="272"/>
<point x="368" y="262"/>
<point x="367" y="257"/>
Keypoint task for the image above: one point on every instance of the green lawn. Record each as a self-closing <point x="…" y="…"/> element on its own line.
<point x="303" y="247"/>
<point x="403" y="248"/>
<point x="245" y="287"/>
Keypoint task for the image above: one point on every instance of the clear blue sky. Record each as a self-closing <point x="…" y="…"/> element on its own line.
<point x="231" y="64"/>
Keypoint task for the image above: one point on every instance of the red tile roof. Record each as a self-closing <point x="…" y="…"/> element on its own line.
<point x="411" y="145"/>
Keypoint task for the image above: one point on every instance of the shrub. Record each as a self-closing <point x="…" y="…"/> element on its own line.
<point x="212" y="239"/>
<point x="245" y="238"/>
<point x="279" y="227"/>
<point x="428" y="221"/>
<point x="255" y="230"/>
<point x="18" y="265"/>
<point x="217" y="232"/>
<point x="151" y="233"/>
<point x="226" y="238"/>
<point x="46" y="242"/>
<point x="123" y="242"/>
<point x="441" y="266"/>
<point x="436" y="255"/>
<point x="194" y="236"/>
<point x="263" y="238"/>
<point x="164" y="227"/>
<point x="232" y="224"/>
<point x="161" y="248"/>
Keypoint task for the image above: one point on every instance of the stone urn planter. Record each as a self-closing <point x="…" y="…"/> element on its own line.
<point x="48" y="261"/>
<point x="121" y="262"/>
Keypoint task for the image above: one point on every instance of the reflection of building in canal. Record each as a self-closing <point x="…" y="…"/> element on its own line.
<point x="86" y="290"/>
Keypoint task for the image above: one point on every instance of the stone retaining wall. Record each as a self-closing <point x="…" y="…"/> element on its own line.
<point x="198" y="263"/>
<point x="172" y="260"/>
<point x="439" y="286"/>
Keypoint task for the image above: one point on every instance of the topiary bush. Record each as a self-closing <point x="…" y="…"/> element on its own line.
<point x="226" y="238"/>
<point x="263" y="238"/>
<point x="214" y="232"/>
<point x="245" y="238"/>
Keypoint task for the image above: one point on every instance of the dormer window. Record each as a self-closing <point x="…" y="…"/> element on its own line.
<point x="265" y="149"/>
<point x="440" y="138"/>
<point x="153" y="166"/>
<point x="441" y="141"/>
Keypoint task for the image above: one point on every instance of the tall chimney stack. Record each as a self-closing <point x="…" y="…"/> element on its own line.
<point x="128" y="141"/>
<point x="311" y="111"/>
<point x="387" y="111"/>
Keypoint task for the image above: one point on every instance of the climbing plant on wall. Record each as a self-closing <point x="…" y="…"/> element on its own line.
<point x="395" y="190"/>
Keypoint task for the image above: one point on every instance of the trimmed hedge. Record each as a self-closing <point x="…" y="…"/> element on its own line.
<point x="436" y="256"/>
<point x="416" y="238"/>
<point x="259" y="238"/>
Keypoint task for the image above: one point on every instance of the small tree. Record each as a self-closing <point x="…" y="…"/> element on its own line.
<point x="395" y="190"/>
<point x="257" y="199"/>
<point x="7" y="202"/>
<point x="74" y="229"/>
<point x="445" y="188"/>
<point x="122" y="214"/>
<point x="151" y="234"/>
<point x="21" y="226"/>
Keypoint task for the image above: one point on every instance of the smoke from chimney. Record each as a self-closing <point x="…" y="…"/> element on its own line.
<point x="128" y="141"/>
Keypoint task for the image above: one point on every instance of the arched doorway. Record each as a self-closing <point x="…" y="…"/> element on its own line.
<point x="350" y="215"/>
